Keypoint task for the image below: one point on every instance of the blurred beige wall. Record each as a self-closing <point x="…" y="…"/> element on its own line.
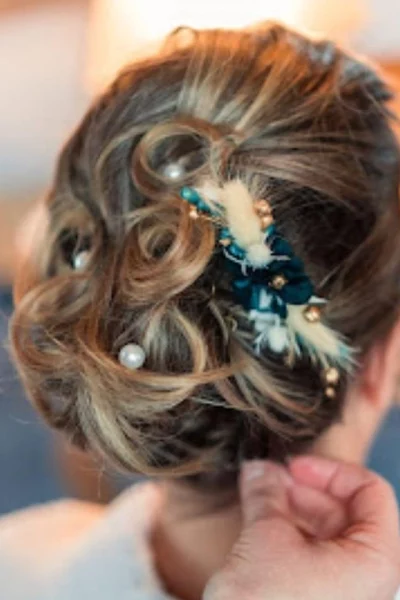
<point x="42" y="53"/>
<point x="43" y="59"/>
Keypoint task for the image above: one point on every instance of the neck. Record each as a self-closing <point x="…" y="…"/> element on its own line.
<point x="191" y="539"/>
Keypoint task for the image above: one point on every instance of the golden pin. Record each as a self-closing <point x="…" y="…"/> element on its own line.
<point x="312" y="314"/>
<point x="193" y="213"/>
<point x="266" y="221"/>
<point x="262" y="207"/>
<point x="278" y="282"/>
<point x="332" y="376"/>
<point x="330" y="392"/>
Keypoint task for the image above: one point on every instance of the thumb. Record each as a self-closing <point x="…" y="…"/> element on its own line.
<point x="264" y="491"/>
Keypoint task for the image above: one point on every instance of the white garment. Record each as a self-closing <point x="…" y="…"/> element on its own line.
<point x="73" y="550"/>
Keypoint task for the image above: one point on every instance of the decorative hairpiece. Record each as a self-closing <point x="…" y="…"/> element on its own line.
<point x="131" y="356"/>
<point x="269" y="281"/>
<point x="80" y="260"/>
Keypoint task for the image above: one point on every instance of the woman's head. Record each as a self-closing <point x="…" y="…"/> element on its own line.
<point x="297" y="121"/>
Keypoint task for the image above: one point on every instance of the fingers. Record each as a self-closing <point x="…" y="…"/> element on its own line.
<point x="268" y="492"/>
<point x="370" y="500"/>
<point x="323" y="498"/>
<point x="316" y="513"/>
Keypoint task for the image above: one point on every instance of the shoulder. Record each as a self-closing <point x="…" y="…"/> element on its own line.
<point x="46" y="529"/>
<point x="35" y="542"/>
<point x="59" y="524"/>
<point x="60" y="514"/>
<point x="79" y="548"/>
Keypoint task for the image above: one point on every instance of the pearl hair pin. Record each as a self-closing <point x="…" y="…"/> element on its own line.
<point x="132" y="356"/>
<point x="81" y="260"/>
<point x="174" y="171"/>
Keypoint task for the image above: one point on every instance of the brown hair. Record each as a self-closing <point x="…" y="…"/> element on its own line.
<point x="310" y="125"/>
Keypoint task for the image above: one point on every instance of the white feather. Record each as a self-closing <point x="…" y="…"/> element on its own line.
<point x="243" y="222"/>
<point x="259" y="255"/>
<point x="316" y="339"/>
<point x="271" y="332"/>
<point x="277" y="338"/>
<point x="210" y="191"/>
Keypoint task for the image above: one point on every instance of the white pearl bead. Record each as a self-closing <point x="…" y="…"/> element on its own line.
<point x="132" y="356"/>
<point x="174" y="171"/>
<point x="80" y="260"/>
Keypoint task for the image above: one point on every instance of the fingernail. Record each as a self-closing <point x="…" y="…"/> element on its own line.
<point x="252" y="470"/>
<point x="308" y="463"/>
<point x="278" y="471"/>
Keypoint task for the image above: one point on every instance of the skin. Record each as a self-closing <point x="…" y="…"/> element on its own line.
<point x="351" y="548"/>
<point x="189" y="550"/>
<point x="225" y="554"/>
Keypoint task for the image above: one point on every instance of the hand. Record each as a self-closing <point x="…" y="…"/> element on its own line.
<point x="319" y="529"/>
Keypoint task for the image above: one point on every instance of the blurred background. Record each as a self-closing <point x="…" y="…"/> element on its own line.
<point x="55" y="55"/>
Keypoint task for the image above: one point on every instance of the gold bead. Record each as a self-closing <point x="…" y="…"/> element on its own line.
<point x="278" y="282"/>
<point x="312" y="314"/>
<point x="266" y="221"/>
<point x="225" y="242"/>
<point x="330" y="392"/>
<point x="193" y="213"/>
<point x="262" y="207"/>
<point x="332" y="376"/>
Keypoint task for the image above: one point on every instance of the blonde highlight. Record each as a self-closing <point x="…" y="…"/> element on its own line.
<point x="307" y="128"/>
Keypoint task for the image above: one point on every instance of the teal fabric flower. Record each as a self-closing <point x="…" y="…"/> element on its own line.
<point x="254" y="289"/>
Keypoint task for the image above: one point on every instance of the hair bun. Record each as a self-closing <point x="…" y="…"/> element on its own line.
<point x="264" y="116"/>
